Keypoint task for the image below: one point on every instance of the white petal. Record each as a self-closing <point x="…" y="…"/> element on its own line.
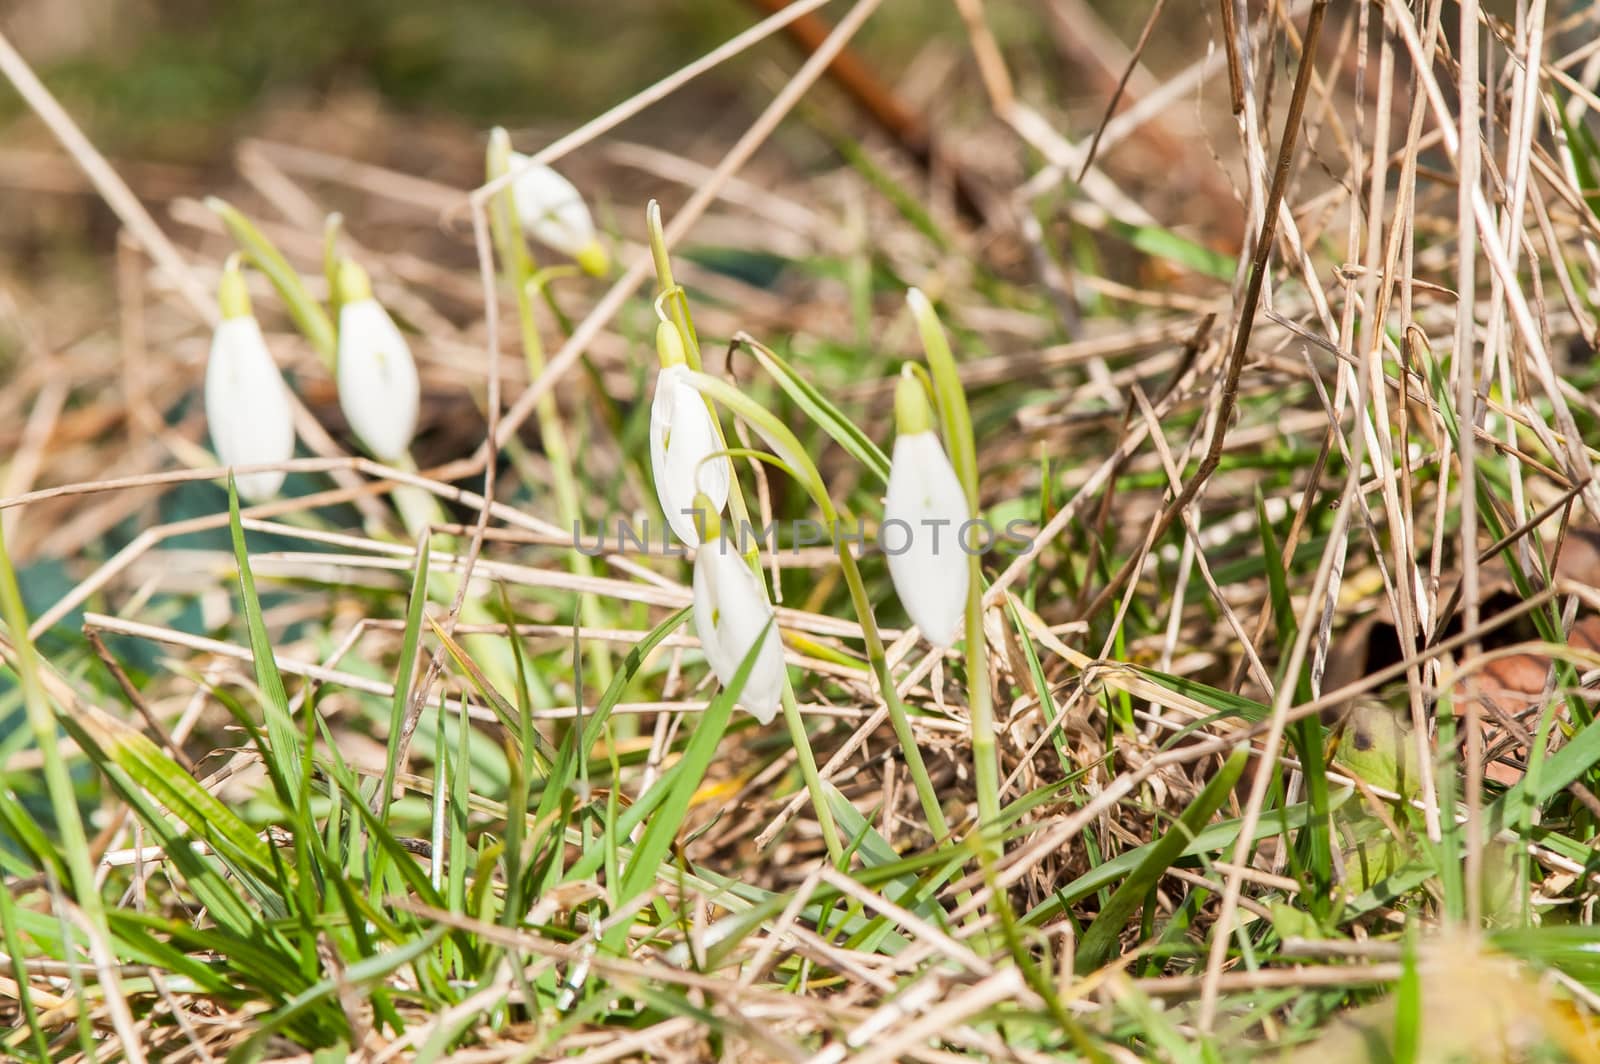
<point x="682" y="439"/>
<point x="730" y="612"/>
<point x="922" y="517"/>
<point x="247" y="405"/>
<point x="378" y="388"/>
<point x="551" y="208"/>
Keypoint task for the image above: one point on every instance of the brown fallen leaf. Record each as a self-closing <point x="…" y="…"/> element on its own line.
<point x="1510" y="686"/>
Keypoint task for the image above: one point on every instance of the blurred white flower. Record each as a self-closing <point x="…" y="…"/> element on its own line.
<point x="685" y="456"/>
<point x="247" y="403"/>
<point x="378" y="387"/>
<point x="553" y="212"/>
<point x="730" y="613"/>
<point x="923" y="514"/>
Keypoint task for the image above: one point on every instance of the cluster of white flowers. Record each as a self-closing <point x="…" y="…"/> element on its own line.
<point x="692" y="476"/>
<point x="732" y="611"/>
<point x="250" y="416"/>
<point x="248" y="409"/>
<point x="247" y="401"/>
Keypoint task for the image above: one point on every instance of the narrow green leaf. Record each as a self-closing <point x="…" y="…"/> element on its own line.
<point x="16" y="952"/>
<point x="565" y="769"/>
<point x="1099" y="941"/>
<point x="1209" y="840"/>
<point x="650" y="855"/>
<point x="1277" y="579"/>
<point x="285" y="762"/>
<point x="817" y="407"/>
<point x="139" y="772"/>
<point x="1165" y="244"/>
<point x="510" y="716"/>
<point x="1408" y="1004"/>
<point x="402" y="679"/>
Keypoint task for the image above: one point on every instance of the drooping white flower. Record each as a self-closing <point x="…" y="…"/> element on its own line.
<point x="731" y="613"/>
<point x="553" y="212"/>
<point x="923" y="516"/>
<point x="247" y="403"/>
<point x="378" y="388"/>
<point x="685" y="456"/>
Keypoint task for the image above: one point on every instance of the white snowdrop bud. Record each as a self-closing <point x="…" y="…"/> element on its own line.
<point x="553" y="212"/>
<point x="685" y="456"/>
<point x="247" y="402"/>
<point x="731" y="613"/>
<point x="378" y="388"/>
<point x="923" y="515"/>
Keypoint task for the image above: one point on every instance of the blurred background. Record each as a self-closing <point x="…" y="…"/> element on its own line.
<point x="169" y="88"/>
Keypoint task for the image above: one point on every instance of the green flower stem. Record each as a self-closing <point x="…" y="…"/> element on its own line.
<point x="809" y="772"/>
<point x="418" y="507"/>
<point x="792" y="453"/>
<point x="309" y="317"/>
<point x="956" y="422"/>
<point x="985" y="754"/>
<point x="673" y="298"/>
<point x="233" y="295"/>
<point x="521" y="270"/>
<point x="330" y="261"/>
<point x="791" y="706"/>
<point x="420" y="510"/>
<point x="678" y="309"/>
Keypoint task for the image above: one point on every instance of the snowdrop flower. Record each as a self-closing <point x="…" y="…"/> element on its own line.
<point x="247" y="403"/>
<point x="731" y="612"/>
<point x="553" y="212"/>
<point x="378" y="388"/>
<point x="685" y="451"/>
<point x="923" y="515"/>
